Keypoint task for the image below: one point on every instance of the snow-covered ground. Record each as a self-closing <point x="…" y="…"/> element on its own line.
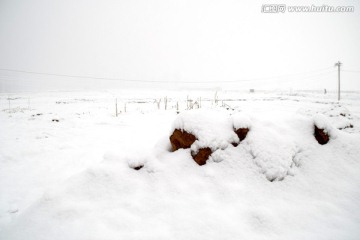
<point x="67" y="167"/>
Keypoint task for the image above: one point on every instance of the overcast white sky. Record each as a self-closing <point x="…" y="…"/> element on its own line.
<point x="176" y="41"/>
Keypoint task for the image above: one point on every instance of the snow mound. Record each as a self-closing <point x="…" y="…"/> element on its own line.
<point x="275" y="143"/>
<point x="241" y="120"/>
<point x="212" y="128"/>
<point x="339" y="116"/>
<point x="322" y="122"/>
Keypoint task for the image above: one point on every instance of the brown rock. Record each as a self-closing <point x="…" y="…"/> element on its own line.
<point x="241" y="133"/>
<point x="321" y="136"/>
<point x="202" y="156"/>
<point x="181" y="139"/>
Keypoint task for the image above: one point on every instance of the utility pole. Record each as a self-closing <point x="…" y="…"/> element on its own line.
<point x="338" y="64"/>
<point x="116" y="110"/>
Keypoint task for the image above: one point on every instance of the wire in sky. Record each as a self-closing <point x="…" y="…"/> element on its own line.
<point x="353" y="71"/>
<point x="161" y="81"/>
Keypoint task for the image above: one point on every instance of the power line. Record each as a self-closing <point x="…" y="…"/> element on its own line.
<point x="283" y="76"/>
<point x="161" y="81"/>
<point x="76" y="76"/>
<point x="316" y="76"/>
<point x="353" y="71"/>
<point x="302" y="79"/>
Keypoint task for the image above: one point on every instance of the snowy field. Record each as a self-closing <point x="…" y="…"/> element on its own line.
<point x="67" y="164"/>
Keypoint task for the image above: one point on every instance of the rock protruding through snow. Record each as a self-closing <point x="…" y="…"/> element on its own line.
<point x="241" y="133"/>
<point x="205" y="131"/>
<point x="321" y="136"/>
<point x="274" y="143"/>
<point x="241" y="123"/>
<point x="181" y="139"/>
<point x="202" y="155"/>
<point x="322" y="129"/>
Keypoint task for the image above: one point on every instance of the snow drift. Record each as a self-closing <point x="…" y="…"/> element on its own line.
<point x="274" y="144"/>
